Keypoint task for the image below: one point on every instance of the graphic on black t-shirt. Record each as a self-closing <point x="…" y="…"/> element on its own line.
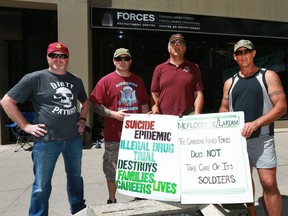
<point x="64" y="95"/>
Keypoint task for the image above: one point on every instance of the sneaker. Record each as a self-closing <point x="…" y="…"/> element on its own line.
<point x="110" y="201"/>
<point x="98" y="146"/>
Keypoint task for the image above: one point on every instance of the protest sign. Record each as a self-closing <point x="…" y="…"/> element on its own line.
<point x="197" y="159"/>
<point x="148" y="162"/>
<point x="214" y="160"/>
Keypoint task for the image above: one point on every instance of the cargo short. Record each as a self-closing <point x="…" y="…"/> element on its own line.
<point x="110" y="158"/>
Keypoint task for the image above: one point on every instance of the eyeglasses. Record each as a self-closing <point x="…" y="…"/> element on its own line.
<point x="55" y="55"/>
<point x="119" y="58"/>
<point x="177" y="43"/>
<point x="241" y="52"/>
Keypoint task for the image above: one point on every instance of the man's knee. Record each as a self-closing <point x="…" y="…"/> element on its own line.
<point x="270" y="187"/>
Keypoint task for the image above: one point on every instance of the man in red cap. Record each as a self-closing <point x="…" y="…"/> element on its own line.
<point x="176" y="86"/>
<point x="57" y="129"/>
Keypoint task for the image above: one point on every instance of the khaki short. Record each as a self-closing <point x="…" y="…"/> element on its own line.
<point x="110" y="158"/>
<point x="261" y="151"/>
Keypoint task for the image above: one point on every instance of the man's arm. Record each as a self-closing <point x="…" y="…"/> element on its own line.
<point x="145" y="108"/>
<point x="101" y="110"/>
<point x="84" y="109"/>
<point x="82" y="116"/>
<point x="198" y="102"/>
<point x="278" y="98"/>
<point x="225" y="99"/>
<point x="154" y="103"/>
<point x="14" y="113"/>
<point x="105" y="112"/>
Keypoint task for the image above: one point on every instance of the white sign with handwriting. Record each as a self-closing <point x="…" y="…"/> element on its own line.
<point x="213" y="159"/>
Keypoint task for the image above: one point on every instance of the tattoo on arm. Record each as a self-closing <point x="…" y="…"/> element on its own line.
<point x="275" y="93"/>
<point x="102" y="110"/>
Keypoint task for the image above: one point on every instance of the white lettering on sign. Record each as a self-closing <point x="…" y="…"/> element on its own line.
<point x="135" y="17"/>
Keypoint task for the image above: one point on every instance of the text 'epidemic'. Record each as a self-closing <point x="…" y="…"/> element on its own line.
<point x="145" y="130"/>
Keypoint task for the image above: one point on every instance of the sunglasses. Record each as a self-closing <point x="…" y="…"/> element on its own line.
<point x="55" y="55"/>
<point x="119" y="58"/>
<point x="177" y="43"/>
<point x="241" y="52"/>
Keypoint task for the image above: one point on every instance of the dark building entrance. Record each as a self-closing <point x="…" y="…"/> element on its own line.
<point x="24" y="35"/>
<point x="210" y="42"/>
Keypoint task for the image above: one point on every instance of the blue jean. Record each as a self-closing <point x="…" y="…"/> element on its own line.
<point x="44" y="156"/>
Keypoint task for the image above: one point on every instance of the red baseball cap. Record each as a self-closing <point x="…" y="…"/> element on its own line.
<point x="57" y="46"/>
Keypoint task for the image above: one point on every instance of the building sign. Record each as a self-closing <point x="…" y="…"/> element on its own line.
<point x="129" y="19"/>
<point x="149" y="20"/>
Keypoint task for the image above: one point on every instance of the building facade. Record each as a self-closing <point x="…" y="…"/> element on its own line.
<point x="94" y="29"/>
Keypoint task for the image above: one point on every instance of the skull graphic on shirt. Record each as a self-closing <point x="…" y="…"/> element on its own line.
<point x="65" y="96"/>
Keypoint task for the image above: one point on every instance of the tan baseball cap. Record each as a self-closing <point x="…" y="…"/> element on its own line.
<point x="243" y="43"/>
<point x="176" y="37"/>
<point x="121" y="51"/>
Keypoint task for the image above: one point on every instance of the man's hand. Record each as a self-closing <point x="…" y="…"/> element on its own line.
<point x="81" y="126"/>
<point x="119" y="115"/>
<point x="249" y="128"/>
<point x="36" y="130"/>
<point x="154" y="110"/>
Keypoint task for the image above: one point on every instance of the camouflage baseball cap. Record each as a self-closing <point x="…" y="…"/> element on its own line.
<point x="176" y="37"/>
<point x="121" y="51"/>
<point x="243" y="43"/>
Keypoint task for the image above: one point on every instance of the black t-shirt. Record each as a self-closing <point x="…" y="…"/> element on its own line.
<point x="54" y="98"/>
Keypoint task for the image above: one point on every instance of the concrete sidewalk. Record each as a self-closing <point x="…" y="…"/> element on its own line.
<point x="16" y="179"/>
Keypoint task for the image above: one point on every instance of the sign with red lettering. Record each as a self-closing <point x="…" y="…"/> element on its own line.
<point x="198" y="159"/>
<point x="148" y="162"/>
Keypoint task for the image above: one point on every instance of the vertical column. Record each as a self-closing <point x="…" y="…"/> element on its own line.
<point x="74" y="31"/>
